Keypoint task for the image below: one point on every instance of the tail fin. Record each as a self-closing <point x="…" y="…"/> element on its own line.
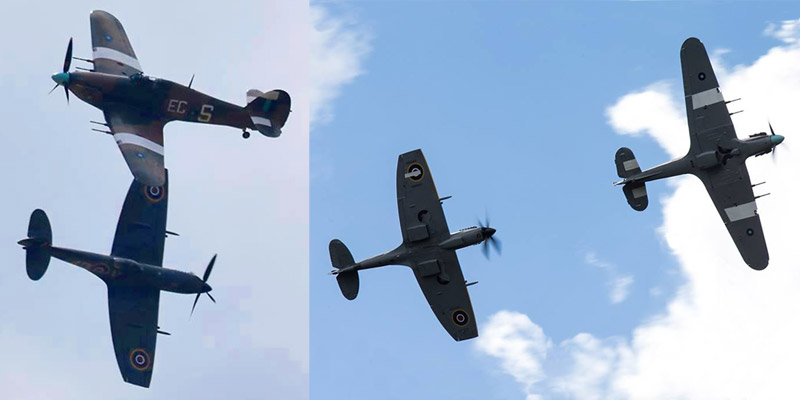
<point x="635" y="192"/>
<point x="341" y="258"/>
<point x="269" y="111"/>
<point x="37" y="245"/>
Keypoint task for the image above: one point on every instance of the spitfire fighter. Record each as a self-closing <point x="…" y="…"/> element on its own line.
<point x="136" y="107"/>
<point x="133" y="274"/>
<point x="428" y="248"/>
<point x="716" y="156"/>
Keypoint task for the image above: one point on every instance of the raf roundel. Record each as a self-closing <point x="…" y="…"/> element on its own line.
<point x="100" y="269"/>
<point x="140" y="359"/>
<point x="414" y="172"/>
<point x="154" y="193"/>
<point x="460" y="317"/>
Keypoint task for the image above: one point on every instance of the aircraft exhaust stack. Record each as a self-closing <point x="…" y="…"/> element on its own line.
<point x="341" y="259"/>
<point x="269" y="111"/>
<point x="37" y="245"/>
<point x="627" y="166"/>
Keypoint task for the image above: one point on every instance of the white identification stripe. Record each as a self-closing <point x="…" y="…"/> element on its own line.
<point x="130" y="138"/>
<point x="630" y="164"/>
<point x="111" y="54"/>
<point x="261" y="121"/>
<point x="706" y="98"/>
<point x="741" y="211"/>
<point x="639" y="192"/>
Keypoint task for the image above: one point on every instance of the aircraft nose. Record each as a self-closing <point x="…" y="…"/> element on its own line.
<point x="776" y="139"/>
<point x="61" y="78"/>
<point x="489" y="232"/>
<point x="206" y="288"/>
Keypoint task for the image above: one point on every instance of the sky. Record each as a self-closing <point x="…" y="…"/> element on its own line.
<point x="519" y="108"/>
<point x="244" y="200"/>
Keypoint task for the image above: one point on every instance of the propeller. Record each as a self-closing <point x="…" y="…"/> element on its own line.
<point x="489" y="239"/>
<point x="205" y="279"/>
<point x="776" y="140"/>
<point x="62" y="79"/>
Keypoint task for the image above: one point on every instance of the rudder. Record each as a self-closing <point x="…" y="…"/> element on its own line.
<point x="341" y="258"/>
<point x="268" y="111"/>
<point x="37" y="245"/>
<point x="627" y="166"/>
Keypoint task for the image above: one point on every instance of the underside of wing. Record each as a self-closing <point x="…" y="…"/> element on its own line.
<point x="422" y="219"/>
<point x="710" y="124"/>
<point x="142" y="224"/>
<point x="133" y="314"/>
<point x="141" y="140"/>
<point x="112" y="52"/>
<point x="730" y="189"/>
<point x="442" y="282"/>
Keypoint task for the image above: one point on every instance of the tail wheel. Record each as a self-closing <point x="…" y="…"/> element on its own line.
<point x="245" y="134"/>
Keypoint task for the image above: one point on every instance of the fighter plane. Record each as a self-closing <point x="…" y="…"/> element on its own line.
<point x="428" y="248"/>
<point x="716" y="156"/>
<point x="132" y="273"/>
<point x="136" y="107"/>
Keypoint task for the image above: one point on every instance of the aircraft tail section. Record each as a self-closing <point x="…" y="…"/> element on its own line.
<point x="37" y="245"/>
<point x="341" y="259"/>
<point x="268" y="111"/>
<point x="627" y="166"/>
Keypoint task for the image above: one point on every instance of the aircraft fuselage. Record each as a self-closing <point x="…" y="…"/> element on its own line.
<point x="732" y="151"/>
<point x="401" y="255"/>
<point x="123" y="271"/>
<point x="155" y="99"/>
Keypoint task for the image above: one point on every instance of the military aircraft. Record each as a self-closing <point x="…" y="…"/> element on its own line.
<point x="132" y="273"/>
<point x="136" y="107"/>
<point x="716" y="156"/>
<point x="428" y="248"/>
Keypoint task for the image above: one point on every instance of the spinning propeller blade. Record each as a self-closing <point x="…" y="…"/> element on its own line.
<point x="206" y="274"/>
<point x="68" y="57"/>
<point x="489" y="239"/>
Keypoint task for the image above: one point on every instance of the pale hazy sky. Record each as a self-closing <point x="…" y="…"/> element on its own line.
<point x="244" y="199"/>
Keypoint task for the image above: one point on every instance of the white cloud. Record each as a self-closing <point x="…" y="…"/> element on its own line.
<point x="788" y="31"/>
<point x="619" y="284"/>
<point x="520" y="345"/>
<point x="338" y="48"/>
<point x="729" y="332"/>
<point x="632" y="115"/>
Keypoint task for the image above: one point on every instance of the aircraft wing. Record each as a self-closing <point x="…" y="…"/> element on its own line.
<point x="142" y="224"/>
<point x="134" y="324"/>
<point x="710" y="123"/>
<point x="141" y="140"/>
<point x="730" y="190"/>
<point x="422" y="219"/>
<point x="111" y="50"/>
<point x="442" y="282"/>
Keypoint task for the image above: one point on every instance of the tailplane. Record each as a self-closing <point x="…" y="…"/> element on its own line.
<point x="269" y="111"/>
<point x="341" y="259"/>
<point x="37" y="245"/>
<point x="627" y="166"/>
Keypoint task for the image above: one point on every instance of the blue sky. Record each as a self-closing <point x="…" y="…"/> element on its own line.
<point x="509" y="103"/>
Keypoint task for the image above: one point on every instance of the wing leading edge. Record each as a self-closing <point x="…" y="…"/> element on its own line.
<point x="442" y="282"/>
<point x="112" y="52"/>
<point x="710" y="126"/>
<point x="133" y="311"/>
<point x="424" y="226"/>
<point x="422" y="219"/>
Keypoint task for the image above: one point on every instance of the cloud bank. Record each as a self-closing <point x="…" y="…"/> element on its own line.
<point x="729" y="332"/>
